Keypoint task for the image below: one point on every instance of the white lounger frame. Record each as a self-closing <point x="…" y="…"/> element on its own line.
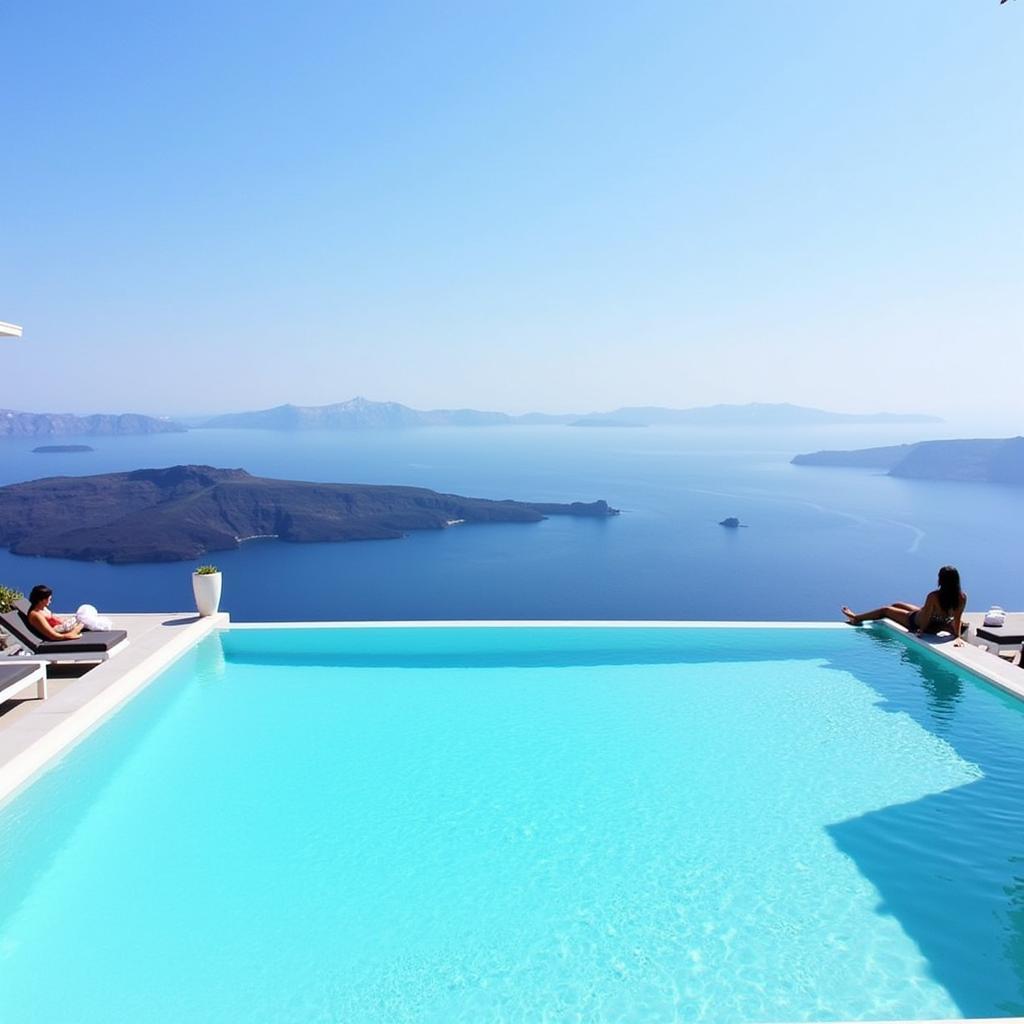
<point x="37" y="679"/>
<point x="995" y="646"/>
<point x="85" y="658"/>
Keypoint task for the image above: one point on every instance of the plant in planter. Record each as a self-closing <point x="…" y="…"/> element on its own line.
<point x="7" y="598"/>
<point x="206" y="586"/>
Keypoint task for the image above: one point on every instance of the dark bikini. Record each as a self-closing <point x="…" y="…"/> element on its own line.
<point x="937" y="622"/>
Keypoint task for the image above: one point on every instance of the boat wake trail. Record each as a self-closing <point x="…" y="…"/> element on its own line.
<point x="917" y="534"/>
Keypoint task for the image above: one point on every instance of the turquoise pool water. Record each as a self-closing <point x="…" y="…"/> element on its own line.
<point x="441" y="825"/>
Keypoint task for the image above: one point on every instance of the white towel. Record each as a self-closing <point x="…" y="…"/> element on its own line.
<point x="995" y="616"/>
<point x="91" y="619"/>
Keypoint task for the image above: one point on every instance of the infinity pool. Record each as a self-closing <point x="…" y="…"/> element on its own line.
<point x="527" y="824"/>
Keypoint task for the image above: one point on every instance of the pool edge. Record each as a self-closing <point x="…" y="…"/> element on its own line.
<point x="976" y="660"/>
<point x="31" y="745"/>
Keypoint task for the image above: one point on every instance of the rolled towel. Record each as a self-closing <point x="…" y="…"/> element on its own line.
<point x="995" y="616"/>
<point x="91" y="619"/>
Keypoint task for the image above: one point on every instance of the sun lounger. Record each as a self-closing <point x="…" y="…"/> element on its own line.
<point x="17" y="677"/>
<point x="1005" y="638"/>
<point x="91" y="646"/>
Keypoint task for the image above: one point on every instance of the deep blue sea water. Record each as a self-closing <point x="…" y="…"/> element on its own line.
<point x="817" y="538"/>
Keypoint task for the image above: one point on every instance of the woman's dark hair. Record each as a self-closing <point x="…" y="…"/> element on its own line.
<point x="39" y="594"/>
<point x="949" y="588"/>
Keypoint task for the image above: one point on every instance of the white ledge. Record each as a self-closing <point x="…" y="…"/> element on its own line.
<point x="37" y="732"/>
<point x="976" y="660"/>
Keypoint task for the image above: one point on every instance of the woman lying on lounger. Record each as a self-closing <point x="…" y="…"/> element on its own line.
<point x="942" y="609"/>
<point x="46" y="624"/>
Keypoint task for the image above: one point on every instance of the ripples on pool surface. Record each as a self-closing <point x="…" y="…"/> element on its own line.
<point x="523" y="825"/>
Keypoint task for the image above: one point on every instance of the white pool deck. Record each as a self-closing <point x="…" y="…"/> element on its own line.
<point x="35" y="733"/>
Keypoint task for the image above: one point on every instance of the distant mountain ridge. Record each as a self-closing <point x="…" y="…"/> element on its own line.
<point x="364" y="414"/>
<point x="969" y="460"/>
<point x="761" y="414"/>
<point x="55" y="424"/>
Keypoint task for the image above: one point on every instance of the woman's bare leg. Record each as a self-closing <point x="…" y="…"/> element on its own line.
<point x="895" y="612"/>
<point x="906" y="606"/>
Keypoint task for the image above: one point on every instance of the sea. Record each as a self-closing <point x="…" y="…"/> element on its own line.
<point x="812" y="538"/>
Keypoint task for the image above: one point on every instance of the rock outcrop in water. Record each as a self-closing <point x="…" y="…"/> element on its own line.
<point x="167" y="515"/>
<point x="982" y="460"/>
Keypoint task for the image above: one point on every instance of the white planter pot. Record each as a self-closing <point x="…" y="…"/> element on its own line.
<point x="206" y="589"/>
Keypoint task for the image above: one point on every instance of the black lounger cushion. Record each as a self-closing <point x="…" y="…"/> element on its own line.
<point x="12" y="673"/>
<point x="106" y="637"/>
<point x="1010" y="632"/>
<point x="12" y="622"/>
<point x="89" y="643"/>
<point x="999" y="635"/>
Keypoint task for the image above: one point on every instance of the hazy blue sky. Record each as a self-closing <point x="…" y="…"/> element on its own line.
<point x="515" y="205"/>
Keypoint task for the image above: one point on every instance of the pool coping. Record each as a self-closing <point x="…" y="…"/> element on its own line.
<point x="976" y="660"/>
<point x="32" y="745"/>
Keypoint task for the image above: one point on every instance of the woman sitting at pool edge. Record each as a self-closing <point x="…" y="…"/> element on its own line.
<point x="943" y="609"/>
<point x="43" y="622"/>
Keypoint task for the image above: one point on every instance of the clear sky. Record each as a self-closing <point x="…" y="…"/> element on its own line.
<point x="555" y="206"/>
